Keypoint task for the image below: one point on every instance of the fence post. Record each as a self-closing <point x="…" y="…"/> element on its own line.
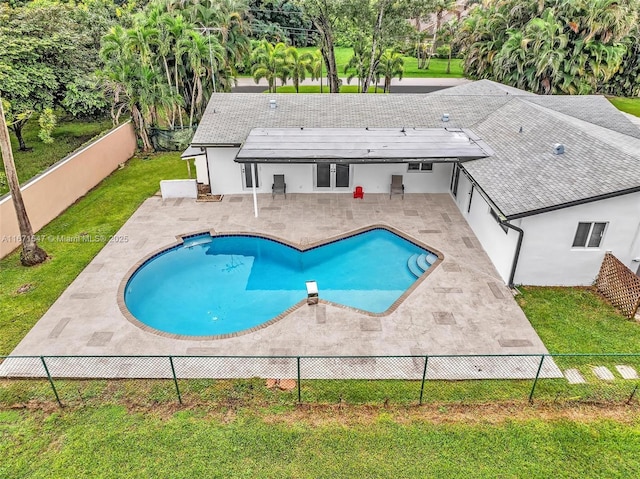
<point x="633" y="393"/>
<point x="533" y="388"/>
<point x="299" y="392"/>
<point x="424" y="376"/>
<point x="175" y="380"/>
<point x="53" y="386"/>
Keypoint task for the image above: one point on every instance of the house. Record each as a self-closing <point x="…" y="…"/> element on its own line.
<point x="547" y="183"/>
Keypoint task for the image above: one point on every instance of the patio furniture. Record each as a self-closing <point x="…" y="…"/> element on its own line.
<point x="358" y="193"/>
<point x="397" y="187"/>
<point x="279" y="187"/>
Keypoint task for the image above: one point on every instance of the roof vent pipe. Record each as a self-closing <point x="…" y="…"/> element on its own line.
<point x="273" y="104"/>
<point x="445" y="117"/>
<point x="558" y="149"/>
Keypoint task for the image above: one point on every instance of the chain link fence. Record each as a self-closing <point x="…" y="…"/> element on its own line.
<point x="244" y="380"/>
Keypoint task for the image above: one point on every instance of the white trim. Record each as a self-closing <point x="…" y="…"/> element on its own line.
<point x="253" y="184"/>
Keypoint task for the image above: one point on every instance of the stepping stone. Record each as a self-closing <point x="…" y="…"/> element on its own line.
<point x="627" y="372"/>
<point x="602" y="372"/>
<point x="573" y="376"/>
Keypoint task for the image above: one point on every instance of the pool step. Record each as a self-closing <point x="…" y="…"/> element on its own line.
<point x="423" y="262"/>
<point x="418" y="264"/>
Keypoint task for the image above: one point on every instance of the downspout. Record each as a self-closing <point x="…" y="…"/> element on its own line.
<point x="206" y="157"/>
<point x="516" y="255"/>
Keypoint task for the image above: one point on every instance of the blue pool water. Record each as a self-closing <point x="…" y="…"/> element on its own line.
<point x="220" y="285"/>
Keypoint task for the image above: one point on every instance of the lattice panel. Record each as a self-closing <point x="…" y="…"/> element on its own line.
<point x="619" y="285"/>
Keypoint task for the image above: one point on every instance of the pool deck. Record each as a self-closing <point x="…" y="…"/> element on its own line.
<point x="462" y="307"/>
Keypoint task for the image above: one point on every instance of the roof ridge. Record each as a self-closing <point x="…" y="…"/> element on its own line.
<point x="585" y="126"/>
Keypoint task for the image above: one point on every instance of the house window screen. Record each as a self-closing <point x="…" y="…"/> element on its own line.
<point x="589" y="235"/>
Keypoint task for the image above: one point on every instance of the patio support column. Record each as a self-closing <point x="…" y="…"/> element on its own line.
<point x="253" y="184"/>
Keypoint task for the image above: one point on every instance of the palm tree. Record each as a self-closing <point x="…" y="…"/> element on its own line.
<point x="391" y="65"/>
<point x="269" y="63"/>
<point x="358" y="64"/>
<point x="298" y="65"/>
<point x="448" y="33"/>
<point x="317" y="67"/>
<point x="439" y="7"/>
<point x="31" y="253"/>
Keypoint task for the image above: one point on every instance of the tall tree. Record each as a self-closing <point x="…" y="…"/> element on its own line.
<point x="269" y="62"/>
<point x="317" y="67"/>
<point x="31" y="253"/>
<point x="391" y="65"/>
<point x="324" y="14"/>
<point x="556" y="46"/>
<point x="44" y="51"/>
<point x="299" y="64"/>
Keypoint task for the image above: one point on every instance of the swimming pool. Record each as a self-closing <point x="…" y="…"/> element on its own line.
<point x="218" y="285"/>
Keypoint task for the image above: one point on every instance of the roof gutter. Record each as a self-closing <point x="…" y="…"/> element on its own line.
<point x="569" y="204"/>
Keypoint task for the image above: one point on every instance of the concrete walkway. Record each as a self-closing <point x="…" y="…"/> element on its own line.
<point x="462" y="307"/>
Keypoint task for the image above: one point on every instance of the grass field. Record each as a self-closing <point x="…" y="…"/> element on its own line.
<point x="110" y="442"/>
<point x="577" y="320"/>
<point x="68" y="136"/>
<point x="325" y="89"/>
<point x="629" y="105"/>
<point x="101" y="212"/>
<point x="436" y="69"/>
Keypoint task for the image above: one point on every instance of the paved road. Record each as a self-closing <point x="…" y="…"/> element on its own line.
<point x="406" y="85"/>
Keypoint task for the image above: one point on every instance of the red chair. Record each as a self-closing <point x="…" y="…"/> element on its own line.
<point x="359" y="193"/>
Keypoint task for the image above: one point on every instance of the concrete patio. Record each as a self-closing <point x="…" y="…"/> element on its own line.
<point x="462" y="307"/>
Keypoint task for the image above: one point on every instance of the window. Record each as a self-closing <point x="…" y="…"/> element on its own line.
<point x="414" y="166"/>
<point x="589" y="235"/>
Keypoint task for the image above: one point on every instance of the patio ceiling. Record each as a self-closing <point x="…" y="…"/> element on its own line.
<point x="361" y="145"/>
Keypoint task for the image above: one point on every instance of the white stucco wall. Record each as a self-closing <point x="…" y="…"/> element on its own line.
<point x="500" y="246"/>
<point x="201" y="169"/>
<point x="547" y="256"/>
<point x="376" y="178"/>
<point x="227" y="178"/>
<point x="178" y="189"/>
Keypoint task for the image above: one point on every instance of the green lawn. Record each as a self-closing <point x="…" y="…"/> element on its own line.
<point x="68" y="136"/>
<point x="436" y="69"/>
<point x="109" y="442"/>
<point x="101" y="212"/>
<point x="629" y="105"/>
<point x="575" y="320"/>
<point x="325" y="89"/>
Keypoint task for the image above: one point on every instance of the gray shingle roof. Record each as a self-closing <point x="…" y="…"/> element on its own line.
<point x="231" y="116"/>
<point x="602" y="146"/>
<point x="524" y="175"/>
